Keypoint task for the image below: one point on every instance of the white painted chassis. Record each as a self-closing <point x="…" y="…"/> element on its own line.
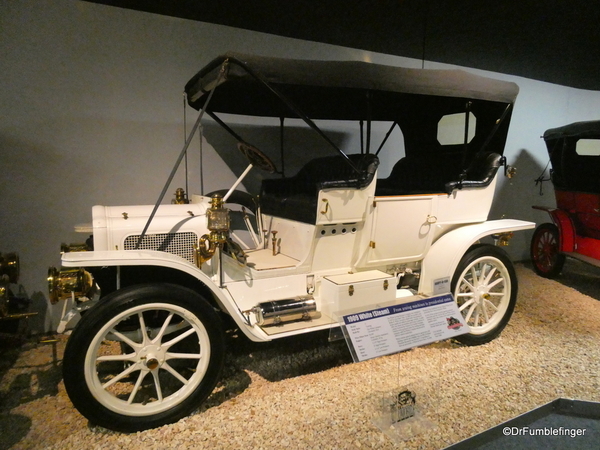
<point x="371" y="233"/>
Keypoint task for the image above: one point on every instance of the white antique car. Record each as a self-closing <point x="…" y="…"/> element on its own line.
<point x="156" y="282"/>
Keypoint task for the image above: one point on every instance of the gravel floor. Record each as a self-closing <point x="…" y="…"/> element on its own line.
<point x="306" y="393"/>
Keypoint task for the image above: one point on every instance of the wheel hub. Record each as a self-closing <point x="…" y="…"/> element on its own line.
<point x="152" y="363"/>
<point x="152" y="356"/>
<point x="481" y="293"/>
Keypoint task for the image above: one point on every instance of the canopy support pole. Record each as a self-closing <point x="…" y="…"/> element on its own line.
<point x="178" y="162"/>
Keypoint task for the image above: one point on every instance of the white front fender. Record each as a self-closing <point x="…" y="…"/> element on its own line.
<point x="445" y="254"/>
<point x="129" y="258"/>
<point x="116" y="258"/>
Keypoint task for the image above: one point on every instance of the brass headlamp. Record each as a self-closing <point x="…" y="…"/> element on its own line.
<point x="67" y="282"/>
<point x="218" y="223"/>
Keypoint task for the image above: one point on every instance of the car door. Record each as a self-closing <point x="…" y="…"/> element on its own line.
<point x="402" y="229"/>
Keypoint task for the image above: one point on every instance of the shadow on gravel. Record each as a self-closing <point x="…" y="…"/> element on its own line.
<point x="275" y="361"/>
<point x="10" y="347"/>
<point x="288" y="357"/>
<point x="13" y="428"/>
<point x="580" y="276"/>
<point x="22" y="383"/>
<point x="33" y="381"/>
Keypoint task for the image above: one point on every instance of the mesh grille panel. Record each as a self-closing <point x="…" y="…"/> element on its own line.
<point x="180" y="244"/>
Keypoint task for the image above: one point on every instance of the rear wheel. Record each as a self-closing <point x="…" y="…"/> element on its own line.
<point x="545" y="255"/>
<point x="485" y="289"/>
<point x="144" y="357"/>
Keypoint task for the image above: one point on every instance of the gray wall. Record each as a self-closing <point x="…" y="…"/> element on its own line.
<point x="92" y="109"/>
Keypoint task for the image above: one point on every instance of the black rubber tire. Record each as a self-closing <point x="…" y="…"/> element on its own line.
<point x="547" y="260"/>
<point x="503" y="285"/>
<point x="164" y="397"/>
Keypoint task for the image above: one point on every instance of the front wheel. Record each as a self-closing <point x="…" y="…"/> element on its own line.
<point x="485" y="289"/>
<point x="545" y="255"/>
<point x="144" y="357"/>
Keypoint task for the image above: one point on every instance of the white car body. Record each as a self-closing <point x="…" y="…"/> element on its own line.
<point x="436" y="231"/>
<point x="333" y="237"/>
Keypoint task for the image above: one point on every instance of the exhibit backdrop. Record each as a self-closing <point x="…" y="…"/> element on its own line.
<point x="93" y="113"/>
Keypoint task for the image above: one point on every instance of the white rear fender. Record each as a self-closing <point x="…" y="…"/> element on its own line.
<point x="445" y="254"/>
<point x="116" y="258"/>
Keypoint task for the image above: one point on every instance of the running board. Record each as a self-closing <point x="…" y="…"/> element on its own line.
<point x="322" y="323"/>
<point x="586" y="259"/>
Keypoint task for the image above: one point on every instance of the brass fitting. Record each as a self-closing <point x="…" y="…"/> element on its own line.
<point x="274" y="240"/>
<point x="208" y="245"/>
<point x="503" y="239"/>
<point x="180" y="197"/>
<point x="217" y="218"/>
<point x="62" y="284"/>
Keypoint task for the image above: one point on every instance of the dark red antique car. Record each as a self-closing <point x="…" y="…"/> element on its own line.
<point x="574" y="151"/>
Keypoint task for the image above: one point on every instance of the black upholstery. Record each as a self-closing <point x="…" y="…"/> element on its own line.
<point x="296" y="197"/>
<point x="480" y="173"/>
<point x="421" y="174"/>
<point x="427" y="174"/>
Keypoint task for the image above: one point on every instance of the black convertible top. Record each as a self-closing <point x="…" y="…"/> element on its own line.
<point x="587" y="129"/>
<point x="415" y="100"/>
<point x="572" y="171"/>
<point x="330" y="89"/>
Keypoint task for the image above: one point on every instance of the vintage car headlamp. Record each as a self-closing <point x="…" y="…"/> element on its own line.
<point x="9" y="267"/>
<point x="217" y="221"/>
<point x="64" y="283"/>
<point x="217" y="215"/>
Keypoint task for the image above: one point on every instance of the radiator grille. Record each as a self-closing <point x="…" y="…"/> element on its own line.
<point x="180" y="244"/>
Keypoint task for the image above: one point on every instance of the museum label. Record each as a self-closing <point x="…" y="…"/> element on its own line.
<point x="392" y="329"/>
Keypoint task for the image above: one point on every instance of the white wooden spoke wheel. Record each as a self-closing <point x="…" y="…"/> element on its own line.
<point x="147" y="357"/>
<point x="485" y="289"/>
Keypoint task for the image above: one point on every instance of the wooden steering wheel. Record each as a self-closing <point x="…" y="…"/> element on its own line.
<point x="256" y="157"/>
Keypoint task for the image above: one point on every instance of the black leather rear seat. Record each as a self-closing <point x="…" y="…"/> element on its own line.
<point x="420" y="175"/>
<point x="439" y="174"/>
<point x="296" y="197"/>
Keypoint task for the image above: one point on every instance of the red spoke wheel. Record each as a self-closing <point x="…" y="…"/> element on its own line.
<point x="545" y="255"/>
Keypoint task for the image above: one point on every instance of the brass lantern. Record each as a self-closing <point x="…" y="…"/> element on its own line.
<point x="64" y="283"/>
<point x="218" y="223"/>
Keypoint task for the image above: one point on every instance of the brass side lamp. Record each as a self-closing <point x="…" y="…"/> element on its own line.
<point x="218" y="223"/>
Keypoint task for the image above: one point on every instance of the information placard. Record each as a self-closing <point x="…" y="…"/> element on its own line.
<point x="392" y="329"/>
